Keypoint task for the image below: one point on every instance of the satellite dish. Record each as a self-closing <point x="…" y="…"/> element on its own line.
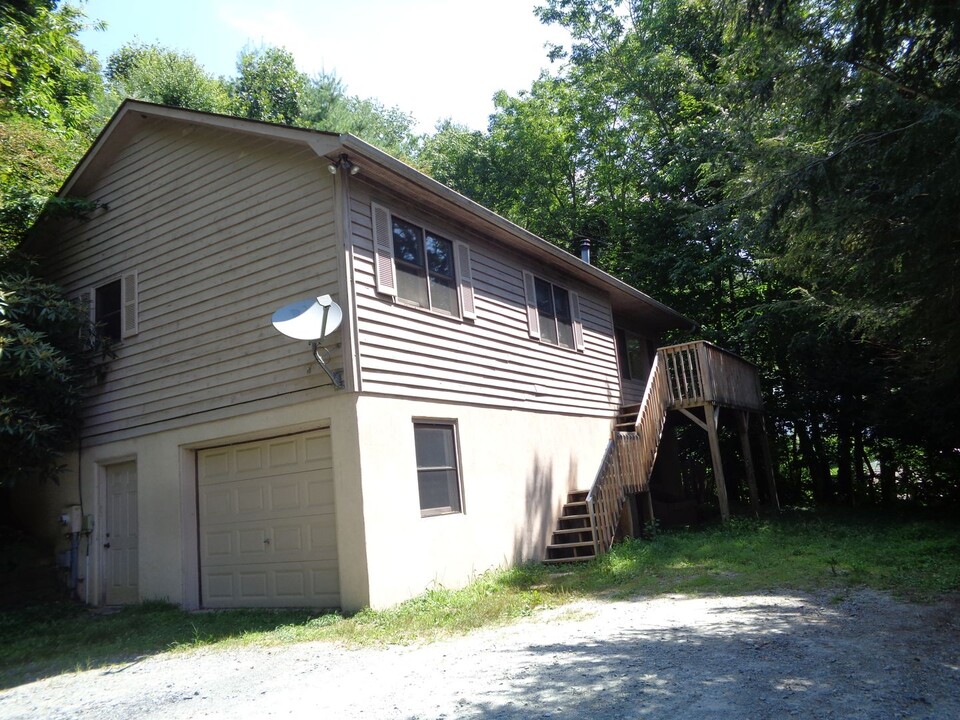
<point x="312" y="319"/>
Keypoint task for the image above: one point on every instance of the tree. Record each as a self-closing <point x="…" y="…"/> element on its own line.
<point x="167" y="77"/>
<point x="325" y="105"/>
<point x="48" y="352"/>
<point x="49" y="88"/>
<point x="45" y="73"/>
<point x="761" y="166"/>
<point x="268" y="86"/>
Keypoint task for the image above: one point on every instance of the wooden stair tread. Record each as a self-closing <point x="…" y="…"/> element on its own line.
<point x="562" y="546"/>
<point x="559" y="561"/>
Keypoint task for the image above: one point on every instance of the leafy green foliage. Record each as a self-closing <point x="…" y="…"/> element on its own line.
<point x="327" y="106"/>
<point x="268" y="86"/>
<point x="45" y="73"/>
<point x="49" y="89"/>
<point x="846" y="181"/>
<point x="167" y="77"/>
<point x="48" y="349"/>
<point x="762" y="167"/>
<point x="33" y="162"/>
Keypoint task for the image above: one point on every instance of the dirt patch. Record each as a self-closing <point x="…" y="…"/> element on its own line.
<point x="859" y="655"/>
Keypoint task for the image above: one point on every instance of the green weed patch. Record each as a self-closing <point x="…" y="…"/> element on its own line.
<point x="916" y="559"/>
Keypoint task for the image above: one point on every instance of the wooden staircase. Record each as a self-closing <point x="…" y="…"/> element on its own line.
<point x="573" y="540"/>
<point x="627" y="418"/>
<point x="695" y="374"/>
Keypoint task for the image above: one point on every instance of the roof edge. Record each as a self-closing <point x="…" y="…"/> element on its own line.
<point x="346" y="141"/>
<point x="372" y="153"/>
<point x="227" y="122"/>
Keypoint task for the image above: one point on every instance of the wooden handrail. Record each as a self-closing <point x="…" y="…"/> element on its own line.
<point x="629" y="459"/>
<point x="685" y="375"/>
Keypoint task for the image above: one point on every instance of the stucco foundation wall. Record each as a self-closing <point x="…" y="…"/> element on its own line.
<point x="517" y="468"/>
<point x="166" y="485"/>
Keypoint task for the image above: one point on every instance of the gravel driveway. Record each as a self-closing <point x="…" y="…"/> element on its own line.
<point x="762" y="656"/>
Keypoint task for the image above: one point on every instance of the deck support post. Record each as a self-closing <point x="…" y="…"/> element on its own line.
<point x="768" y="462"/>
<point x="743" y="425"/>
<point x="650" y="519"/>
<point x="712" y="412"/>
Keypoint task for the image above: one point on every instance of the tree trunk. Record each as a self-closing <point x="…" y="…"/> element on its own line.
<point x="859" y="459"/>
<point x="888" y="474"/>
<point x="844" y="455"/>
<point x="813" y="463"/>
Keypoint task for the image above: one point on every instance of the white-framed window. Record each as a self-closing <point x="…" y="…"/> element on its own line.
<point x="438" y="467"/>
<point x="553" y="313"/>
<point x="113" y="307"/>
<point x="421" y="267"/>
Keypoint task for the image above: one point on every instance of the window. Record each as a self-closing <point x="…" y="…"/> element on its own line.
<point x="438" y="473"/>
<point x="553" y="313"/>
<point x="421" y="267"/>
<point x="107" y="307"/>
<point x="425" y="269"/>
<point x="634" y="355"/>
<point x="113" y="307"/>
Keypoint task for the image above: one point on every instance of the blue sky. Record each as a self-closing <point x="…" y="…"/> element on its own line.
<point x="432" y="58"/>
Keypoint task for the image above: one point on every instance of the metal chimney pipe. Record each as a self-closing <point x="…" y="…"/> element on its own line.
<point x="585" y="250"/>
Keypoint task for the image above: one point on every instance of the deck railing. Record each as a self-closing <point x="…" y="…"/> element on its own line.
<point x="700" y="372"/>
<point x="682" y="376"/>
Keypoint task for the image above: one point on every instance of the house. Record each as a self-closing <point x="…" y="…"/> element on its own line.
<point x="482" y="372"/>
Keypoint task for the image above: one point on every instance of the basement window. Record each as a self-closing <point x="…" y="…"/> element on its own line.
<point x="438" y="468"/>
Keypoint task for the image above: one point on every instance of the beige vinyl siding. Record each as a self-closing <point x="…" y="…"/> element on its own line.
<point x="222" y="229"/>
<point x="491" y="360"/>
<point x="633" y="391"/>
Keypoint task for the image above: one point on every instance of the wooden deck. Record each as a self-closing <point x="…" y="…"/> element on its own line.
<point x="682" y="378"/>
<point x="700" y="372"/>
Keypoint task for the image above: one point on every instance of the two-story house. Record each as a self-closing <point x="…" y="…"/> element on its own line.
<point x="482" y="371"/>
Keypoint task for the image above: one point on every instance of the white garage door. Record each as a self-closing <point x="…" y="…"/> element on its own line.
<point x="267" y="523"/>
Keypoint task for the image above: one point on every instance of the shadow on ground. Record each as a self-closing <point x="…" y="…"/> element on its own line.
<point x="33" y="639"/>
<point x="762" y="661"/>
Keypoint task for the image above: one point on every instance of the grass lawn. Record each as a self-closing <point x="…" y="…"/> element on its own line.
<point x="916" y="559"/>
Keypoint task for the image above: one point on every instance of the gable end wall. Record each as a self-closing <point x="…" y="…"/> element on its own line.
<point x="221" y="230"/>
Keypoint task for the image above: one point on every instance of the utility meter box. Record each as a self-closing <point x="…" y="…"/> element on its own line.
<point x="72" y="519"/>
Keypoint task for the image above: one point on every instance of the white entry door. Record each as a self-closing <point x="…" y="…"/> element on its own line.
<point x="267" y="523"/>
<point x="121" y="555"/>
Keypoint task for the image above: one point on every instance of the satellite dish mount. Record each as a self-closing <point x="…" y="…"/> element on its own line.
<point x="312" y="320"/>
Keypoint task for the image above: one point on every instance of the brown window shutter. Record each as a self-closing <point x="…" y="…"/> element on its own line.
<point x="575" y="319"/>
<point x="465" y="281"/>
<point x="386" y="275"/>
<point x="530" y="292"/>
<point x="128" y="300"/>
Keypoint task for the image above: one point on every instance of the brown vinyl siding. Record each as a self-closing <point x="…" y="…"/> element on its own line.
<point x="222" y="229"/>
<point x="492" y="361"/>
